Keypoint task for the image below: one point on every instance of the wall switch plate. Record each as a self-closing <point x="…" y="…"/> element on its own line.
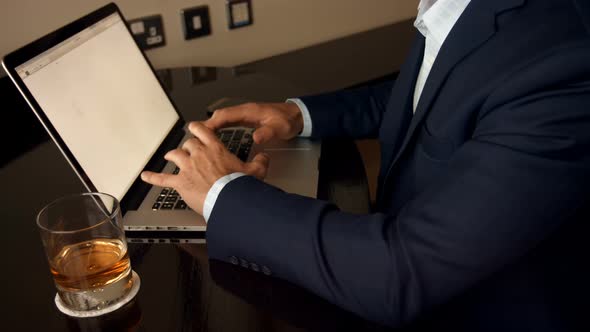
<point x="239" y="13"/>
<point x="196" y="22"/>
<point x="148" y="31"/>
<point x="201" y="75"/>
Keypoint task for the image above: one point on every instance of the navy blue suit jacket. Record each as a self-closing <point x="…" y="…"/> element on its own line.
<point x="482" y="191"/>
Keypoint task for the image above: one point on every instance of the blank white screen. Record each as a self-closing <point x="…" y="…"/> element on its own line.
<point x="108" y="107"/>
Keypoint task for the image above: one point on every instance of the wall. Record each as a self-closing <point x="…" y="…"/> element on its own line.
<point x="279" y="25"/>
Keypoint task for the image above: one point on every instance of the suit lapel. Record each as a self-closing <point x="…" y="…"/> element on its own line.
<point x="474" y="28"/>
<point x="395" y="123"/>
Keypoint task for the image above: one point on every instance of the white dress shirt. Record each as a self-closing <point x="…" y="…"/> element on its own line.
<point x="435" y="21"/>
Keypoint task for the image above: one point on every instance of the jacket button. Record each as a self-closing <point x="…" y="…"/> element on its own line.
<point x="254" y="267"/>
<point x="244" y="263"/>
<point x="234" y="260"/>
<point x="266" y="270"/>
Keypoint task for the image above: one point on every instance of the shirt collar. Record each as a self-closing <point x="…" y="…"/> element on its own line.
<point x="437" y="17"/>
<point x="424" y="5"/>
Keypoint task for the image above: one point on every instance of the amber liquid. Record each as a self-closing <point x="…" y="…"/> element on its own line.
<point x="92" y="274"/>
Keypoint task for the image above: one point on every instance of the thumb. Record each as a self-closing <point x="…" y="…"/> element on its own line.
<point x="258" y="167"/>
<point x="263" y="134"/>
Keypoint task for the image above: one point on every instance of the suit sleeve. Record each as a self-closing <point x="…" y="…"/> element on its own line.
<point x="523" y="174"/>
<point x="354" y="113"/>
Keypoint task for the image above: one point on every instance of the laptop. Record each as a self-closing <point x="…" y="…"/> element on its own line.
<point x="98" y="97"/>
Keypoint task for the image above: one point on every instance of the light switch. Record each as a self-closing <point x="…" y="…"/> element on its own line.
<point x="239" y="13"/>
<point x="137" y="28"/>
<point x="148" y="31"/>
<point x="195" y="22"/>
<point x="154" y="40"/>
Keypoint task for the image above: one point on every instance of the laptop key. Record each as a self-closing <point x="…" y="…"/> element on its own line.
<point x="238" y="136"/>
<point x="180" y="205"/>
<point x="171" y="199"/>
<point x="160" y="198"/>
<point x="243" y="153"/>
<point x="226" y="136"/>
<point x="167" y="206"/>
<point x="156" y="206"/>
<point x="233" y="147"/>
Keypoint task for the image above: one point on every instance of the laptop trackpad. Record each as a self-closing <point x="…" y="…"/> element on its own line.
<point x="293" y="165"/>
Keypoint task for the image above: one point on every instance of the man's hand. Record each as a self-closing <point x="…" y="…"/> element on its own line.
<point x="281" y="120"/>
<point x="202" y="161"/>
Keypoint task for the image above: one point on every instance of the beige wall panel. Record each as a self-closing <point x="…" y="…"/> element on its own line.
<point x="279" y="25"/>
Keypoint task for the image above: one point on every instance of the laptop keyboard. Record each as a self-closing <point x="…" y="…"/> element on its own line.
<point x="237" y="141"/>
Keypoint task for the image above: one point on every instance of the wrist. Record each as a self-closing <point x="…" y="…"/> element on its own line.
<point x="295" y="117"/>
<point x="215" y="190"/>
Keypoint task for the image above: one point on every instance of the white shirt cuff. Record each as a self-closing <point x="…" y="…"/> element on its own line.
<point x="214" y="192"/>
<point x="306" y="132"/>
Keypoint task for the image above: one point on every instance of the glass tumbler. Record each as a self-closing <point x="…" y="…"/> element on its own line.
<point x="86" y="248"/>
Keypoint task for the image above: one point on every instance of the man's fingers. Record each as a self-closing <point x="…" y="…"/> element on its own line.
<point x="258" y="167"/>
<point x="203" y="133"/>
<point x="178" y="156"/>
<point x="192" y="145"/>
<point x="158" y="179"/>
<point x="263" y="134"/>
<point x="241" y="115"/>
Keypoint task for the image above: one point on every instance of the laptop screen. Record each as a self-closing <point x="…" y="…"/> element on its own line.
<point x="104" y="101"/>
